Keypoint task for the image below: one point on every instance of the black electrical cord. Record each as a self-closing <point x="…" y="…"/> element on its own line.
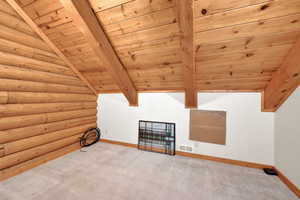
<point x="90" y="137"/>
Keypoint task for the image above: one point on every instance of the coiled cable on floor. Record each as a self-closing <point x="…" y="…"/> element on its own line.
<point x="90" y="137"/>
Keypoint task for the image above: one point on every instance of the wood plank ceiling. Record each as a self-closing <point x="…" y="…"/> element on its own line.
<point x="238" y="45"/>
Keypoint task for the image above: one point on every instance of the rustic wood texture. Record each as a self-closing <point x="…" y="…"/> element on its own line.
<point x="44" y="106"/>
<point x="31" y="142"/>
<point x="17" y="158"/>
<point x="86" y="20"/>
<point x="284" y="81"/>
<point x="238" y="44"/>
<point x="68" y="39"/>
<point x="30" y="131"/>
<point x="10" y="110"/>
<point x="24" y="166"/>
<point x="185" y="9"/>
<point x="28" y="120"/>
<point x="14" y="4"/>
<point x="246" y="45"/>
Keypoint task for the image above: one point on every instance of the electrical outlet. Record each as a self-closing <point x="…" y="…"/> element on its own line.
<point x="190" y="149"/>
<point x="182" y="148"/>
<point x="196" y="144"/>
<point x="186" y="148"/>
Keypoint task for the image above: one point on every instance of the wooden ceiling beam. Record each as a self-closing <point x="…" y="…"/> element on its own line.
<point x="284" y="81"/>
<point x="185" y="12"/>
<point x="85" y="19"/>
<point x="44" y="37"/>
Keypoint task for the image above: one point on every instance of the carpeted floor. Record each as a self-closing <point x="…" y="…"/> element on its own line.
<point x="111" y="172"/>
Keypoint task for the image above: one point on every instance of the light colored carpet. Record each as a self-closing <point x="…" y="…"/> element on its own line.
<point x="111" y="172"/>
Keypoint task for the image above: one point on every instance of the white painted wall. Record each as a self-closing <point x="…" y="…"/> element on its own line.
<point x="287" y="138"/>
<point x="249" y="131"/>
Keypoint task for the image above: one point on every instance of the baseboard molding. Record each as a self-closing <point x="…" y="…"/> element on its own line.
<point x="288" y="183"/>
<point x="119" y="143"/>
<point x="283" y="178"/>
<point x="199" y="156"/>
<point x="224" y="160"/>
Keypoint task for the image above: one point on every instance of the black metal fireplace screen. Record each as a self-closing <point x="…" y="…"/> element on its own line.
<point x="157" y="137"/>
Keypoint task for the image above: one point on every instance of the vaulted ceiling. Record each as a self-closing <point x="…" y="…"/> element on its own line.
<point x="133" y="46"/>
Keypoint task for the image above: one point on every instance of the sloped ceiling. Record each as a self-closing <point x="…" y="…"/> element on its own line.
<point x="239" y="45"/>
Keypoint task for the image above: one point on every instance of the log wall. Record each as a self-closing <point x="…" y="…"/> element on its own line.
<point x="44" y="106"/>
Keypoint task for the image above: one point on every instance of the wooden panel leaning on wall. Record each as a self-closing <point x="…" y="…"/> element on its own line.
<point x="44" y="106"/>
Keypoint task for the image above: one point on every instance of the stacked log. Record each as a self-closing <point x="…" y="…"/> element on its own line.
<point x="44" y="106"/>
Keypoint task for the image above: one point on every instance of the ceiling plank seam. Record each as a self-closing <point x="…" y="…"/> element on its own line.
<point x="284" y="81"/>
<point x="85" y="19"/>
<point x="44" y="37"/>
